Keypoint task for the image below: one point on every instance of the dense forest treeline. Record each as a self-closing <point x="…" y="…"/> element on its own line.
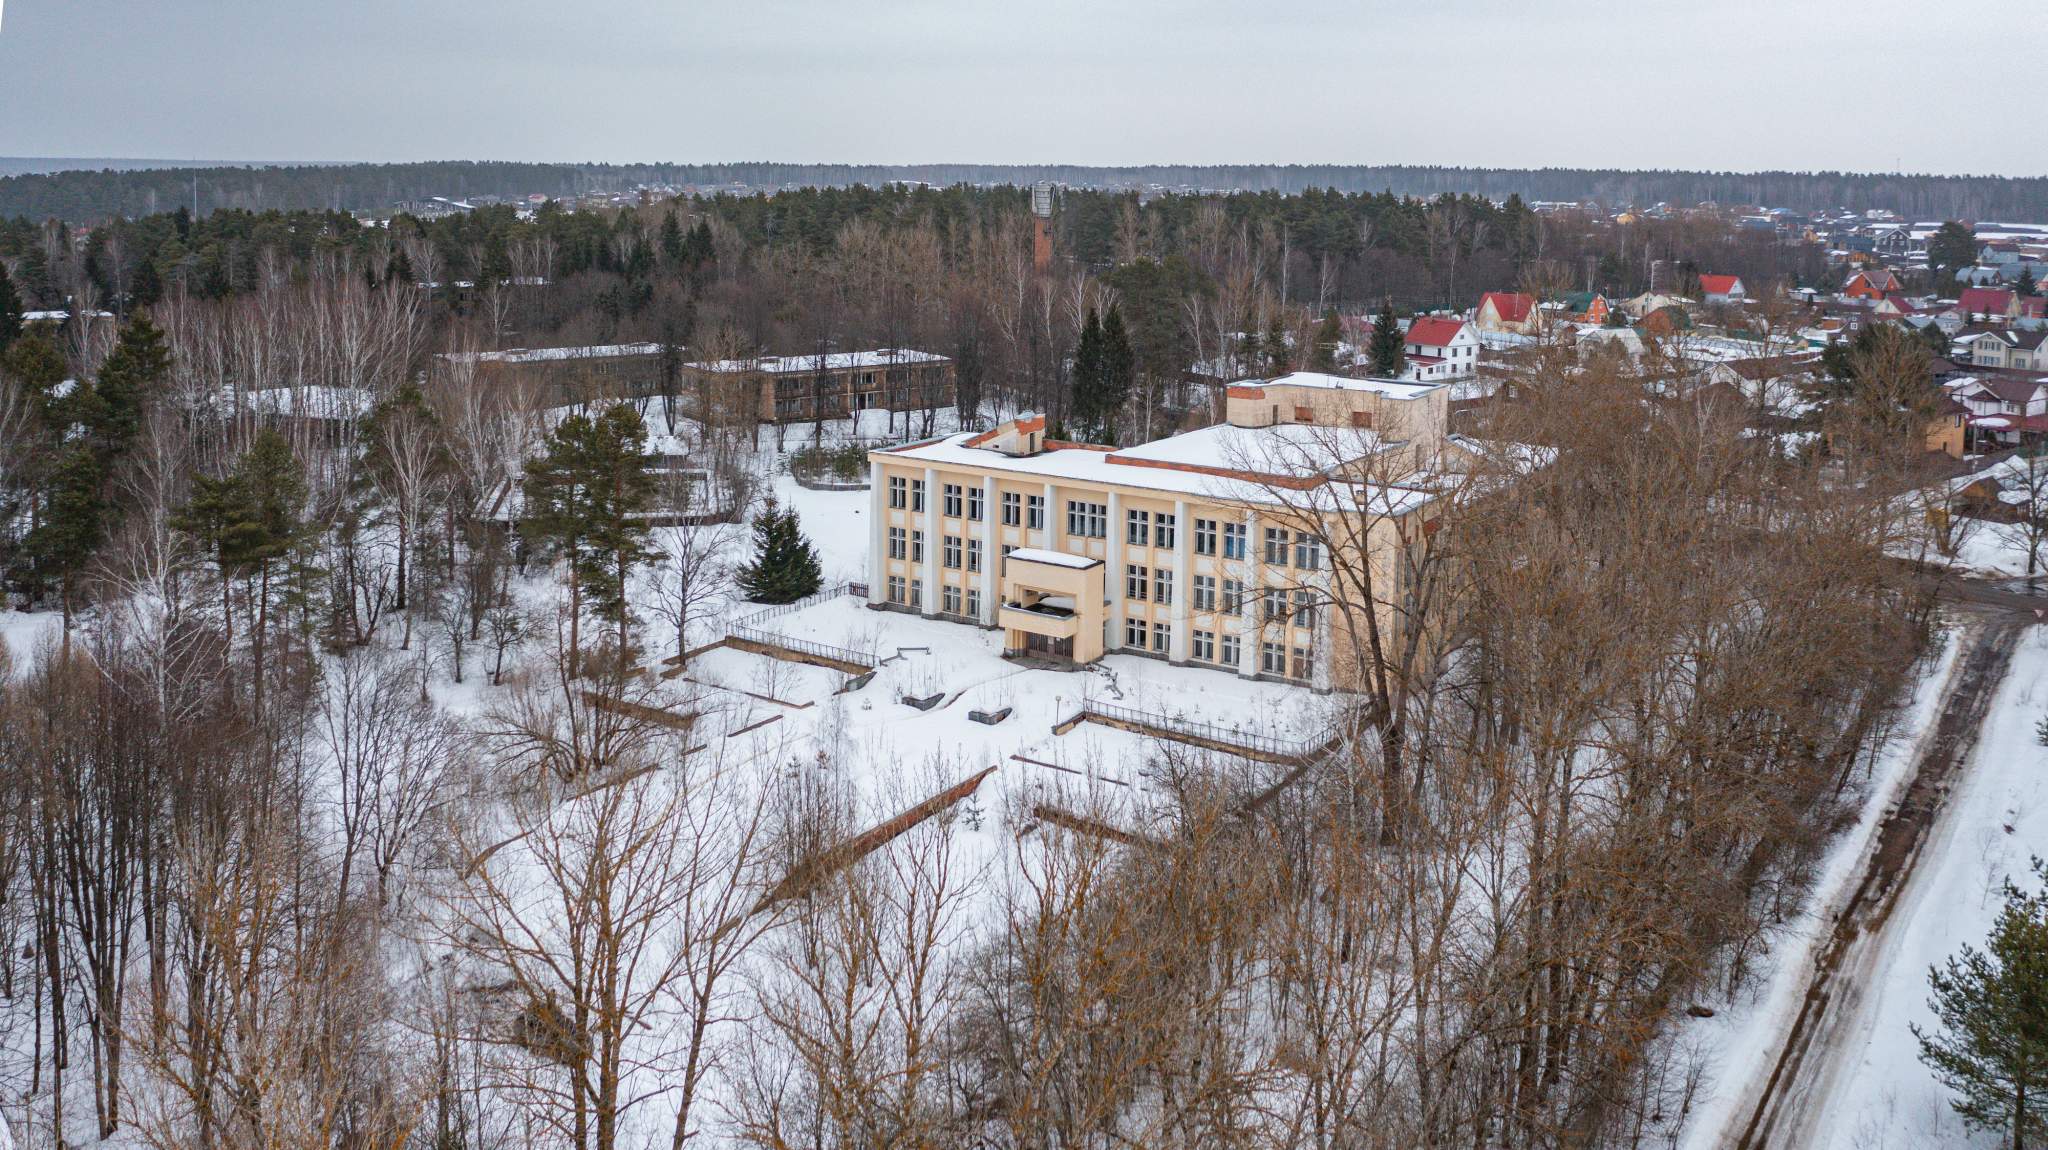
<point x="86" y="196"/>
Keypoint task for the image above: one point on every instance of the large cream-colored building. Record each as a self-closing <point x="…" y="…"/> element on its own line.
<point x="1209" y="548"/>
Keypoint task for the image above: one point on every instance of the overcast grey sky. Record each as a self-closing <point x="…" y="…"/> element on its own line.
<point x="1738" y="84"/>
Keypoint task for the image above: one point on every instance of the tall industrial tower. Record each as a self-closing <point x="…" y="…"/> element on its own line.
<point x="1041" y="226"/>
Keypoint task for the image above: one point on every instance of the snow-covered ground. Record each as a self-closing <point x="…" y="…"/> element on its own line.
<point x="1739" y="1043"/>
<point x="1997" y="817"/>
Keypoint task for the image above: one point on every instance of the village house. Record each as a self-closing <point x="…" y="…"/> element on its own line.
<point x="1440" y="349"/>
<point x="1587" y="307"/>
<point x="2004" y="410"/>
<point x="1209" y="548"/>
<point x="1721" y="289"/>
<point x="834" y="385"/>
<point x="1507" y="311"/>
<point x="2007" y="349"/>
<point x="1994" y="304"/>
<point x="1871" y="284"/>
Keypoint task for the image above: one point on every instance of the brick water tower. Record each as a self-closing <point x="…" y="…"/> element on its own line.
<point x="1041" y="226"/>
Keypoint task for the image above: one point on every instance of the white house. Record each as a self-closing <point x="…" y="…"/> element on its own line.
<point x="1722" y="289"/>
<point x="1438" y="348"/>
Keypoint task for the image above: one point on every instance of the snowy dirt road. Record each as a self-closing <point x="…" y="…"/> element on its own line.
<point x="1828" y="1043"/>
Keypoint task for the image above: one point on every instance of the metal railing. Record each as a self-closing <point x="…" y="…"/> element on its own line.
<point x="750" y="627"/>
<point x="1236" y="738"/>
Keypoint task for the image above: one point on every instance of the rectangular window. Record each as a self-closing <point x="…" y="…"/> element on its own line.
<point x="949" y="599"/>
<point x="898" y="486"/>
<point x="1162" y="587"/>
<point x="917" y="547"/>
<point x="1007" y="548"/>
<point x="1304" y="607"/>
<point x="1273" y="605"/>
<point x="917" y="593"/>
<point x="1233" y="597"/>
<point x="952" y="553"/>
<point x="1162" y="636"/>
<point x="896" y="589"/>
<point x="1230" y="656"/>
<point x="1135" y="583"/>
<point x="1137" y="528"/>
<point x="1273" y="658"/>
<point x="1205" y="646"/>
<point x="974" y="504"/>
<point x="974" y="554"/>
<point x="1303" y="665"/>
<point x="1205" y="592"/>
<point x="951" y="508"/>
<point x="974" y="603"/>
<point x="1163" y="527"/>
<point x="1233" y="540"/>
<point x="1134" y="633"/>
<point x="917" y="495"/>
<point x="1013" y="509"/>
<point x="1276" y="546"/>
<point x="1087" y="520"/>
<point x="898" y="545"/>
<point x="1034" y="513"/>
<point x="1308" y="551"/>
<point x="1205" y="537"/>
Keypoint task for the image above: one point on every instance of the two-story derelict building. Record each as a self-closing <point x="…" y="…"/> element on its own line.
<point x="1242" y="546"/>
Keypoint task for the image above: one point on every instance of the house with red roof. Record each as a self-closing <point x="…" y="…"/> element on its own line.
<point x="1506" y="311"/>
<point x="1989" y="303"/>
<point x="1722" y="289"/>
<point x="1871" y="284"/>
<point x="1440" y="348"/>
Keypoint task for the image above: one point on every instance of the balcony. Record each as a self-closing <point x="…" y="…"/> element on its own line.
<point x="1047" y="619"/>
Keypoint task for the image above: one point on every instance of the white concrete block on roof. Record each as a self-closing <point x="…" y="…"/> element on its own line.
<point x="1053" y="558"/>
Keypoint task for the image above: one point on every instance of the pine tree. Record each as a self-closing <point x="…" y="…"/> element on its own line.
<point x="585" y="496"/>
<point x="69" y="523"/>
<point x="10" y="309"/>
<point x="135" y="368"/>
<point x="785" y="566"/>
<point x="1384" y="356"/>
<point x="2026" y="284"/>
<point x="1329" y="334"/>
<point x="1992" y="1045"/>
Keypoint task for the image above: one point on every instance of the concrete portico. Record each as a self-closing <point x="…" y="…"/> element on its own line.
<point x="1053" y="605"/>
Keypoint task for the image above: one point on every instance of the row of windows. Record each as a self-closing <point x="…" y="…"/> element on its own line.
<point x="1091" y="521"/>
<point x="951" y="601"/>
<point x="1143" y="527"/>
<point x="1158" y="586"/>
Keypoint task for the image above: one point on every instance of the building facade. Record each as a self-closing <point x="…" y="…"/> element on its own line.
<point x="565" y="375"/>
<point x="835" y="385"/>
<point x="1212" y="548"/>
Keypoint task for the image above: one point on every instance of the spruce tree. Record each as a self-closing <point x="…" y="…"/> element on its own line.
<point x="785" y="566"/>
<point x="135" y="368"/>
<point x="10" y="309"/>
<point x="672" y="239"/>
<point x="148" y="287"/>
<point x="1279" y="357"/>
<point x="1329" y="334"/>
<point x="1087" y="379"/>
<point x="1119" y="371"/>
<point x="2025" y="285"/>
<point x="585" y="496"/>
<point x="1384" y="356"/>
<point x="1992" y="1044"/>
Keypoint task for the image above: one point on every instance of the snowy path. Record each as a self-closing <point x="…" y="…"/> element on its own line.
<point x="1849" y="1058"/>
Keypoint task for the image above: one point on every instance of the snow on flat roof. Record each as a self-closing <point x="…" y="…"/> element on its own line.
<point x="554" y="354"/>
<point x="1083" y="465"/>
<point x="833" y="361"/>
<point x="1391" y="388"/>
<point x="1291" y="449"/>
<point x="1053" y="558"/>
